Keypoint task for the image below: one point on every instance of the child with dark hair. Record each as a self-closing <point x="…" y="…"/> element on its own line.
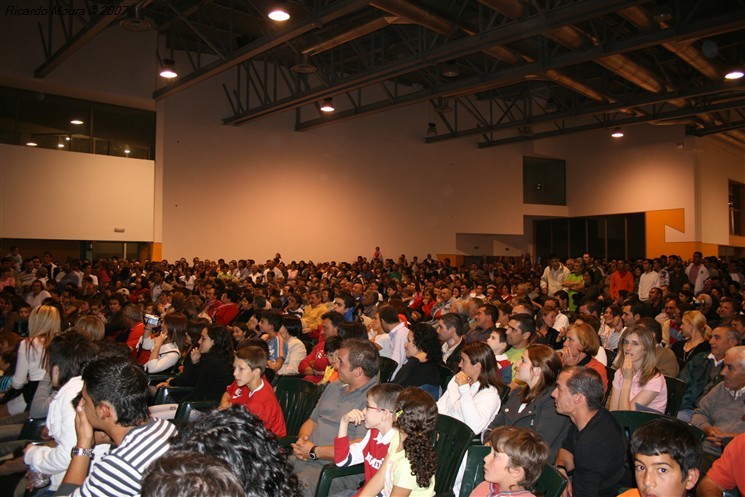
<point x="378" y="416"/>
<point x="667" y="456"/>
<point x="251" y="389"/>
<point x="331" y="348"/>
<point x="514" y="463"/>
<point x="189" y="474"/>
<point x="411" y="462"/>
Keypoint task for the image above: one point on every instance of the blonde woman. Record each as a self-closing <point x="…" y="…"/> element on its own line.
<point x="638" y="385"/>
<point x="696" y="337"/>
<point x="92" y="327"/>
<point x="43" y="326"/>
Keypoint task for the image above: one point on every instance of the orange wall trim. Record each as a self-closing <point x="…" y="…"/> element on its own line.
<point x="156" y="250"/>
<point x="655" y="222"/>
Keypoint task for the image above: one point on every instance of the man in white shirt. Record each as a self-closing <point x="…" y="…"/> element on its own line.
<point x="398" y="333"/>
<point x="648" y="280"/>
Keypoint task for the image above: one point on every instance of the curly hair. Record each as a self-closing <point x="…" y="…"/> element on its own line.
<point x="188" y="474"/>
<point x="427" y="340"/>
<point x="223" y="339"/>
<point x="416" y="416"/>
<point x="238" y="438"/>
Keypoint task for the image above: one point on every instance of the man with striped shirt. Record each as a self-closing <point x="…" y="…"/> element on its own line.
<point x="114" y="404"/>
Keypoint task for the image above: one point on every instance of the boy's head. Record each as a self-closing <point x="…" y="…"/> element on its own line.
<point x="271" y="322"/>
<point x="381" y="403"/>
<point x="497" y="341"/>
<point x="666" y="458"/>
<point x="516" y="459"/>
<point x="249" y="364"/>
<point x="24" y="311"/>
<point x="331" y="348"/>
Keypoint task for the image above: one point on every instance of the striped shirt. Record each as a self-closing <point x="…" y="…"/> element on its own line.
<point x="119" y="473"/>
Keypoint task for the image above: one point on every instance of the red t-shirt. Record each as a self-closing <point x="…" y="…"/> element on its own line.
<point x="263" y="403"/>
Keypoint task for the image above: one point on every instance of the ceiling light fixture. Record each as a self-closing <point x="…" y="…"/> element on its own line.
<point x="32" y="144"/>
<point x="617" y="133"/>
<point x="431" y="129"/>
<point x="168" y="70"/>
<point x="127" y="151"/>
<point x="76" y="122"/>
<point x="328" y="105"/>
<point x="278" y="12"/>
<point x="67" y="138"/>
<point x="60" y="145"/>
<point x="734" y="73"/>
<point x="450" y="70"/>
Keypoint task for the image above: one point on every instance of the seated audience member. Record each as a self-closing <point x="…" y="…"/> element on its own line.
<point x="187" y="474"/>
<point x="638" y="384"/>
<point x="132" y="316"/>
<point x="497" y="342"/>
<point x="315" y="363"/>
<point x="90" y="326"/>
<point x="594" y="469"/>
<point x="331" y="348"/>
<point x="726" y="473"/>
<point x="487" y="316"/>
<point x="290" y="330"/>
<point x="696" y="336"/>
<point x="68" y="354"/>
<point x="114" y="401"/>
<point x="666" y="457"/>
<point x="423" y="359"/>
<point x="240" y="440"/>
<point x="228" y="309"/>
<point x="580" y="346"/>
<point x="450" y="330"/>
<point x="545" y="332"/>
<point x="704" y="371"/>
<point x="665" y="358"/>
<point x="378" y="417"/>
<point x="520" y="332"/>
<point x="531" y="406"/>
<point x="720" y="412"/>
<point x="409" y="466"/>
<point x="594" y="323"/>
<point x="166" y="347"/>
<point x="269" y="325"/>
<point x="358" y="370"/>
<point x="397" y="333"/>
<point x="514" y="464"/>
<point x="612" y="327"/>
<point x="251" y="389"/>
<point x="209" y="370"/>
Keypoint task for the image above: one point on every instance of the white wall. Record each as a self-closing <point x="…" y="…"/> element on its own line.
<point x="53" y="194"/>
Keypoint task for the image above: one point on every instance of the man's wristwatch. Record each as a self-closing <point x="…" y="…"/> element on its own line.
<point x="80" y="451"/>
<point x="312" y="453"/>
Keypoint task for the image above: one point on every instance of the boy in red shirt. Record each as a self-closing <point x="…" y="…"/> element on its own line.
<point x="378" y="417"/>
<point x="251" y="390"/>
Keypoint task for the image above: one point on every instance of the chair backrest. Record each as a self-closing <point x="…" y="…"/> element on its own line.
<point x="433" y="390"/>
<point x="183" y="413"/>
<point x="675" y="390"/>
<point x="297" y="398"/>
<point x="504" y="395"/>
<point x="611" y="356"/>
<point x="32" y="429"/>
<point x="551" y="483"/>
<point x="452" y="439"/>
<point x="474" y="473"/>
<point x="387" y="367"/>
<point x="163" y="394"/>
<point x="631" y="420"/>
<point x="611" y="373"/>
<point x="446" y="374"/>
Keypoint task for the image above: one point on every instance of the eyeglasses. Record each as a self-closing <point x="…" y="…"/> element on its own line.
<point x="368" y="406"/>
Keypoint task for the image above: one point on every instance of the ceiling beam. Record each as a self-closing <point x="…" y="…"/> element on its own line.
<point x="508" y="33"/>
<point x="674" y="114"/>
<point x="80" y="39"/>
<point x="260" y="46"/>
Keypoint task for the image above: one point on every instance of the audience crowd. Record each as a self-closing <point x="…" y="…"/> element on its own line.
<point x="532" y="357"/>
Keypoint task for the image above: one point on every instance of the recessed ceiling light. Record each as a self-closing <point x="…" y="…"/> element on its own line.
<point x="127" y="151"/>
<point x="76" y="122"/>
<point x="67" y="138"/>
<point x="734" y="73"/>
<point x="60" y="145"/>
<point x="617" y="133"/>
<point x="32" y="144"/>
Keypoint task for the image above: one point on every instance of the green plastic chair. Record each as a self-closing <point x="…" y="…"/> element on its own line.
<point x="452" y="439"/>
<point x="631" y="420"/>
<point x="474" y="473"/>
<point x="331" y="471"/>
<point x="387" y="367"/>
<point x="551" y="483"/>
<point x="675" y="390"/>
<point x="297" y="398"/>
<point x="183" y="413"/>
<point x="161" y="396"/>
